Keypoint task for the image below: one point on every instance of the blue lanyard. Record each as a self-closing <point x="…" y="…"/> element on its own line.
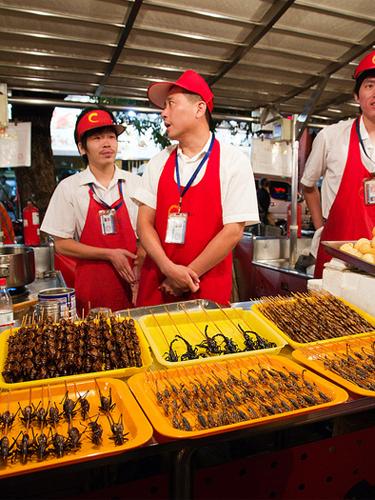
<point x="102" y="202"/>
<point x="361" y="140"/>
<point x="196" y="172"/>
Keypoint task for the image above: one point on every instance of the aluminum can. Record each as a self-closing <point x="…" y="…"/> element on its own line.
<point x="64" y="300"/>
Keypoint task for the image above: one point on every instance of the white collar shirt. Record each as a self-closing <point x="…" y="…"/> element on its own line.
<point x="67" y="210"/>
<point x="238" y="193"/>
<point x="328" y="159"/>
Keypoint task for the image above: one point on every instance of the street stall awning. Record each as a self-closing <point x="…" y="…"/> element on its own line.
<point x="292" y="56"/>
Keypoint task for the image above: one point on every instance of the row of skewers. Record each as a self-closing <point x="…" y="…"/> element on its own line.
<point x="308" y="317"/>
<point x="41" y="432"/>
<point x="211" y="344"/>
<point x="47" y="350"/>
<point x="354" y="362"/>
<point x="199" y="399"/>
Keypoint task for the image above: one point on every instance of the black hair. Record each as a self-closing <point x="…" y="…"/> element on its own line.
<point x="88" y="133"/>
<point x="264" y="182"/>
<point x="365" y="74"/>
<point x="209" y="120"/>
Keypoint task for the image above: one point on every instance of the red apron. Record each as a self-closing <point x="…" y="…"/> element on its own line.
<point x="202" y="202"/>
<point x="349" y="217"/>
<point x="97" y="283"/>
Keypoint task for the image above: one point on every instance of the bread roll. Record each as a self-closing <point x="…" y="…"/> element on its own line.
<point x="369" y="257"/>
<point x="365" y="248"/>
<point x="360" y="242"/>
<point x="357" y="253"/>
<point x="347" y="247"/>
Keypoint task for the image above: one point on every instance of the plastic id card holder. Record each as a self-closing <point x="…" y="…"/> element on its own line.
<point x="176" y="228"/>
<point x="369" y="191"/>
<point x="108" y="221"/>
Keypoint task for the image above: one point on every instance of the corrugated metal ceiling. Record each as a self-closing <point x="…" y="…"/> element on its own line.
<point x="295" y="56"/>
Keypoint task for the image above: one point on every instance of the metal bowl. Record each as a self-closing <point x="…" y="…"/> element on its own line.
<point x="17" y="264"/>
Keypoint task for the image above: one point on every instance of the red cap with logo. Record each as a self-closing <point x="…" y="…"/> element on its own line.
<point x="190" y="80"/>
<point x="367" y="63"/>
<point x="96" y="118"/>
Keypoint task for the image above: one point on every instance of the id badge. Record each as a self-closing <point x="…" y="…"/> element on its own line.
<point x="108" y="221"/>
<point x="176" y="228"/>
<point x="369" y="191"/>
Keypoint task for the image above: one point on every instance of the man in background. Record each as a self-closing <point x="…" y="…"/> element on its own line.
<point x="344" y="155"/>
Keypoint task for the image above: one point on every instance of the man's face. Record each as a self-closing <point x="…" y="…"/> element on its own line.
<point x="180" y="113"/>
<point x="366" y="98"/>
<point x="101" y="147"/>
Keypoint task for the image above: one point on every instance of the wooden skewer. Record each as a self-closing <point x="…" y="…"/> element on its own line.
<point x="172" y="320"/>
<point x="210" y="319"/>
<point x="229" y="318"/>
<point x="160" y="328"/>
<point x="183" y="308"/>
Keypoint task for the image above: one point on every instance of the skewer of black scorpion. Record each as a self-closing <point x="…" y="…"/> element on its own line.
<point x="213" y="348"/>
<point x="232" y="399"/>
<point x="249" y="343"/>
<point x="209" y="343"/>
<point x="228" y="345"/>
<point x="191" y="352"/>
<point x="171" y="355"/>
<point x="259" y="343"/>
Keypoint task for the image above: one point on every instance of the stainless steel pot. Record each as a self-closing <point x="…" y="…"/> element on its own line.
<point x="17" y="264"/>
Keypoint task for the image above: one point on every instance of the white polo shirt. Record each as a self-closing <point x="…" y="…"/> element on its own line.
<point x="238" y="193"/>
<point x="328" y="159"/>
<point x="67" y="210"/>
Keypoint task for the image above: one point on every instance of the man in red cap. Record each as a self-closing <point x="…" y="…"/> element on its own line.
<point x="92" y="217"/>
<point x="195" y="200"/>
<point x="344" y="154"/>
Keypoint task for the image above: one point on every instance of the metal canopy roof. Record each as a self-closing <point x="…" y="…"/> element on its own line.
<point x="292" y="55"/>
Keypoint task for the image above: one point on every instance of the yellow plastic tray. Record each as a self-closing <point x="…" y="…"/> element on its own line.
<point x="143" y="386"/>
<point x="118" y="373"/>
<point x="134" y="422"/>
<point x="296" y="345"/>
<point x="160" y="329"/>
<point x="310" y="356"/>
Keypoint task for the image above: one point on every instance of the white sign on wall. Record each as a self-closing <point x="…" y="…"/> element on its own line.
<point x="15" y="145"/>
<point x="271" y="158"/>
<point x="131" y="144"/>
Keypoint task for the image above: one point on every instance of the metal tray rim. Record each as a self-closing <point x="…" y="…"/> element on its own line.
<point x="333" y="248"/>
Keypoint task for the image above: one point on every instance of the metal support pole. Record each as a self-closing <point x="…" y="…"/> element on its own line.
<point x="293" y="201"/>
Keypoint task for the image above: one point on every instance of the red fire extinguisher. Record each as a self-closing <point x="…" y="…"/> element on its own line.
<point x="31" y="232"/>
<point x="299" y="219"/>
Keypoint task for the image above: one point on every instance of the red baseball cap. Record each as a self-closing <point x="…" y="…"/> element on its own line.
<point x="367" y="63"/>
<point x="96" y="118"/>
<point x="190" y="80"/>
